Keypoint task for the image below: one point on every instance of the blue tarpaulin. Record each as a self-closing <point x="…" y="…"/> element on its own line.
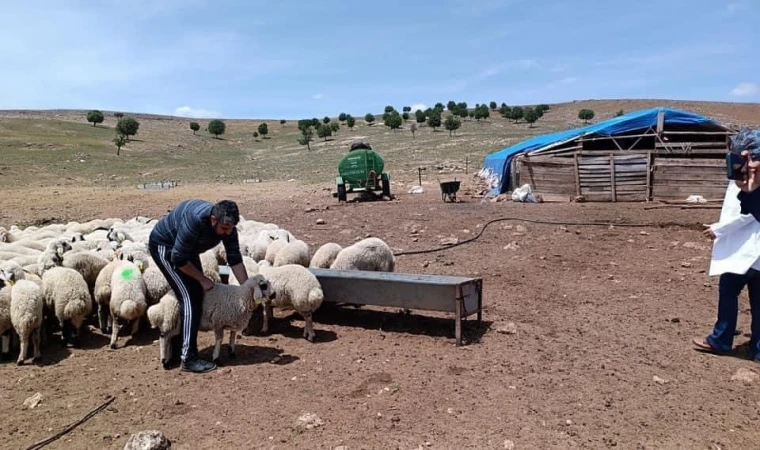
<point x="497" y="165"/>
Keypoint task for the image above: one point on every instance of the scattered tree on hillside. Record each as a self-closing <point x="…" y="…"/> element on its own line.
<point x="619" y="113"/>
<point x="586" y="115"/>
<point x="407" y="109"/>
<point x="127" y="127"/>
<point x="304" y="124"/>
<point x="118" y="115"/>
<point x="326" y="120"/>
<point x="216" y="127"/>
<point x="195" y="126"/>
<point x="388" y="109"/>
<point x="350" y="121"/>
<point x="282" y="121"/>
<point x="369" y="118"/>
<point x="516" y="113"/>
<point x="393" y="121"/>
<point x="263" y="130"/>
<point x="405" y="116"/>
<point x="493" y="106"/>
<point x="256" y="136"/>
<point x="419" y="116"/>
<point x="471" y="114"/>
<point x="120" y="141"/>
<point x="539" y="111"/>
<point x="531" y="116"/>
<point x="434" y="120"/>
<point x="543" y="108"/>
<point x="335" y="126"/>
<point x="324" y="131"/>
<point x="413" y="128"/>
<point x="439" y="107"/>
<point x="315" y="122"/>
<point x="482" y="112"/>
<point x="451" y="106"/>
<point x="95" y="117"/>
<point x="452" y="124"/>
<point x="342" y="117"/>
<point x="505" y="111"/>
<point x="307" y="135"/>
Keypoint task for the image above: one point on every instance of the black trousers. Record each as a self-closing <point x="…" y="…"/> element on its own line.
<point x="189" y="292"/>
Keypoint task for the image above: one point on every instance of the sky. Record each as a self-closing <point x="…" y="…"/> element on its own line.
<point x="294" y="59"/>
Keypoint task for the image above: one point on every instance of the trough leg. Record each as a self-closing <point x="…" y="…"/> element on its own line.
<point x="480" y="302"/>
<point x="458" y="322"/>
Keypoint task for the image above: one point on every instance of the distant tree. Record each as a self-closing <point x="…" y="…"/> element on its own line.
<point x="434" y="120"/>
<point x="531" y="116"/>
<point x="413" y="129"/>
<point x="389" y="109"/>
<point x="505" y="111"/>
<point x="542" y="107"/>
<point x="342" y="117"/>
<point x="195" y="126"/>
<point x="127" y="127"/>
<point x="350" y="121"/>
<point x="95" y="117"/>
<point x="334" y="127"/>
<point x="307" y="135"/>
<point x="428" y="112"/>
<point x="419" y="116"/>
<point x="471" y="114"/>
<point x="263" y="130"/>
<point x="405" y="116"/>
<point x="439" y="106"/>
<point x="216" y="127"/>
<point x="482" y="112"/>
<point x="451" y="106"/>
<point x="407" y="109"/>
<point x="619" y="113"/>
<point x="324" y="131"/>
<point x="452" y="124"/>
<point x="256" y="136"/>
<point x="462" y="110"/>
<point x="282" y="121"/>
<point x="493" y="106"/>
<point x="516" y="113"/>
<point x="315" y="123"/>
<point x="304" y="124"/>
<point x="120" y="141"/>
<point x="539" y="111"/>
<point x="326" y="120"/>
<point x="394" y="121"/>
<point x="118" y="115"/>
<point x="369" y="118"/>
<point x="586" y="115"/>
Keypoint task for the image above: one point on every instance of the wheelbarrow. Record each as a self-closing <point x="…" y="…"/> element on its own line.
<point x="449" y="190"/>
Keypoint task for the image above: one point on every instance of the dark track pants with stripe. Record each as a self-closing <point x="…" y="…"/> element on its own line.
<point x="189" y="293"/>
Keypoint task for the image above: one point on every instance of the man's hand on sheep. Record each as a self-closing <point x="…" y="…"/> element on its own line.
<point x="207" y="284"/>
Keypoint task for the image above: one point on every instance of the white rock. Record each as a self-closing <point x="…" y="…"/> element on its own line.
<point x="148" y="440"/>
<point x="33" y="401"/>
<point x="508" y="328"/>
<point x="309" y="421"/>
<point x="509" y="445"/>
<point x="745" y="375"/>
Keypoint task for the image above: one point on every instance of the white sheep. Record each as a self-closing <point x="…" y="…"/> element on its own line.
<point x="368" y="254"/>
<point x="272" y="250"/>
<point x="119" y="235"/>
<point x="251" y="268"/>
<point x="127" y="302"/>
<point x="86" y="263"/>
<point x="165" y="316"/>
<point x="156" y="285"/>
<point x="294" y="252"/>
<point x="294" y="287"/>
<point x="257" y="248"/>
<point x="210" y="265"/>
<point x="53" y="255"/>
<point x="66" y="294"/>
<point x="26" y="316"/>
<point x="6" y="326"/>
<point x="325" y="255"/>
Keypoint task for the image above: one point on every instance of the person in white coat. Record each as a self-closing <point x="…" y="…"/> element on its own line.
<point x="736" y="254"/>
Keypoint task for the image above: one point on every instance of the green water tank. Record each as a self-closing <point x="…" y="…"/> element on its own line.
<point x="357" y="165"/>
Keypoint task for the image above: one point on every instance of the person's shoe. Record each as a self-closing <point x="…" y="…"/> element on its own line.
<point x="197" y="365"/>
<point x="704" y="346"/>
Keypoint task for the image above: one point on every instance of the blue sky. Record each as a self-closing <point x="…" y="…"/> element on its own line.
<point x="294" y="59"/>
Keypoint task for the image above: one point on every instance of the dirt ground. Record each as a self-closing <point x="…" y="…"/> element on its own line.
<point x="598" y="353"/>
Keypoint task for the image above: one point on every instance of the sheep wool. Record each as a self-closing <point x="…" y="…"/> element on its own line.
<point x="325" y="255"/>
<point x="128" y="302"/>
<point x="295" y="287"/>
<point x="368" y="254"/>
<point x="26" y="316"/>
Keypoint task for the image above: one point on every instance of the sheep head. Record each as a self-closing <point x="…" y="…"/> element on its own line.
<point x="77" y="237"/>
<point x="261" y="290"/>
<point x="7" y="277"/>
<point x="3" y="235"/>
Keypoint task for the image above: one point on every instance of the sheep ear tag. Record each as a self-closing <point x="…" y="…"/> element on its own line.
<point x="127" y="273"/>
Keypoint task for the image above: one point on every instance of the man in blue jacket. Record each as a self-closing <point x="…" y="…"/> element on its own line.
<point x="176" y="242"/>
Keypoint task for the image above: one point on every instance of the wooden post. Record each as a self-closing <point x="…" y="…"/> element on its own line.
<point x="660" y="122"/>
<point x="612" y="176"/>
<point x="577" y="175"/>
<point x="649" y="176"/>
<point x="466" y="164"/>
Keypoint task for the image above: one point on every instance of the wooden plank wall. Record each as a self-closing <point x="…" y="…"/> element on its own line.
<point x="548" y="175"/>
<point x="678" y="178"/>
<point x="613" y="177"/>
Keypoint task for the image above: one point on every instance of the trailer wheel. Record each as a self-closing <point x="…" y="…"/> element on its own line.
<point x="341" y="192"/>
<point x="386" y="185"/>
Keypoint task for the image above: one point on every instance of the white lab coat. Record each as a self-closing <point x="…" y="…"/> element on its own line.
<point x="736" y="248"/>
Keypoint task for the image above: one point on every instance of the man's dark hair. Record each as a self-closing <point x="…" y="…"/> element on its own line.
<point x="226" y="212"/>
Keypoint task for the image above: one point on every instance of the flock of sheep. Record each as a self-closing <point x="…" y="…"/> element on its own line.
<point x="60" y="276"/>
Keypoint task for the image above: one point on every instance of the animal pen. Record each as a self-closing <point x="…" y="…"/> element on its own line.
<point x="657" y="154"/>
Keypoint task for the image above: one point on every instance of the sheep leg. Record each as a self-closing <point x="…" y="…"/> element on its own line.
<point x="5" y="354"/>
<point x="164" y="351"/>
<point x="23" y="342"/>
<point x="36" y="341"/>
<point x="268" y="311"/>
<point x="103" y="314"/>
<point x="65" y="332"/>
<point x="115" y="333"/>
<point x="135" y="327"/>
<point x="76" y="325"/>
<point x="218" y="336"/>
<point x="233" y="335"/>
<point x="308" y="329"/>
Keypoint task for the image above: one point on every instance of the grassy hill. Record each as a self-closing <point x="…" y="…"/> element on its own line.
<point x="50" y="148"/>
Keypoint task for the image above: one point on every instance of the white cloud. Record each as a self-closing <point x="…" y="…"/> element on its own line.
<point x="746" y="89"/>
<point x="318" y="96"/>
<point x="196" y="113"/>
<point x="419" y="106"/>
<point x="735" y="7"/>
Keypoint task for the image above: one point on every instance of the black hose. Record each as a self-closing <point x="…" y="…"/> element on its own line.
<point x="539" y="221"/>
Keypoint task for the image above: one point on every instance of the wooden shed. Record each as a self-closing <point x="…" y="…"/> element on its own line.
<point x="653" y="154"/>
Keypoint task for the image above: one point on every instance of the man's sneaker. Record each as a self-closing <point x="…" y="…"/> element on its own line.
<point x="197" y="365"/>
